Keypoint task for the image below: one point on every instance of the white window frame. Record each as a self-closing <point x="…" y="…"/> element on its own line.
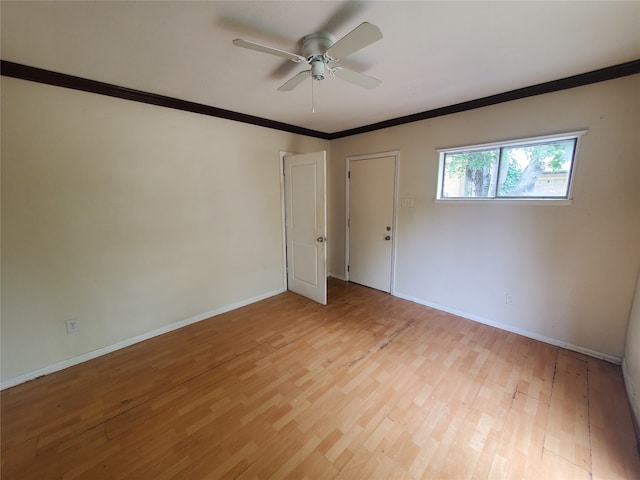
<point x="577" y="135"/>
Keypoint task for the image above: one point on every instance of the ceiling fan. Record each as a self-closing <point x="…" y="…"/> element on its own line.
<point x="320" y="50"/>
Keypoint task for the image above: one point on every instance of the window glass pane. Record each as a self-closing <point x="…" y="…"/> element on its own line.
<point x="541" y="170"/>
<point x="470" y="174"/>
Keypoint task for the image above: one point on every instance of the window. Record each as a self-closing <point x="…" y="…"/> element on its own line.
<point x="533" y="168"/>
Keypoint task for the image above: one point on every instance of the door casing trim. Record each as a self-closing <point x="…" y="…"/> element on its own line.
<point x="370" y="156"/>
<point x="284" y="219"/>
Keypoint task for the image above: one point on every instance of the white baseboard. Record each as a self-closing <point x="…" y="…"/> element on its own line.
<point x="12" y="382"/>
<point x="339" y="277"/>
<point x="633" y="395"/>
<point x="509" y="328"/>
<point x="203" y="316"/>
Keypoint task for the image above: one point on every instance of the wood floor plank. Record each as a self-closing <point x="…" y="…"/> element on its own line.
<point x="369" y="386"/>
<point x="613" y="444"/>
<point x="567" y="432"/>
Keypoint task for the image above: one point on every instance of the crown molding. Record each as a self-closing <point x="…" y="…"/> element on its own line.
<point x="596" y="76"/>
<point x="24" y="72"/>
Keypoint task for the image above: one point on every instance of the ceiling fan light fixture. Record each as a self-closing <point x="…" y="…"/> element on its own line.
<point x="317" y="69"/>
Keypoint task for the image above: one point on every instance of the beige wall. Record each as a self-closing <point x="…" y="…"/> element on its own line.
<point x="571" y="269"/>
<point x="129" y="218"/>
<point x="631" y="362"/>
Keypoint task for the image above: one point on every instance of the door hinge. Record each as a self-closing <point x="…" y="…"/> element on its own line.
<point x="349" y="174"/>
<point x="348" y="223"/>
<point x="348" y="267"/>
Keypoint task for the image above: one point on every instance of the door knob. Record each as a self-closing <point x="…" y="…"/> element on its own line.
<point x="321" y="239"/>
<point x="387" y="237"/>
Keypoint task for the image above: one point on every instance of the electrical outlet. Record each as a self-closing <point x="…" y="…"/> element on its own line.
<point x="508" y="299"/>
<point x="72" y="325"/>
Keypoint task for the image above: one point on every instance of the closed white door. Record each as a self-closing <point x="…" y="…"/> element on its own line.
<point x="306" y="224"/>
<point x="371" y="220"/>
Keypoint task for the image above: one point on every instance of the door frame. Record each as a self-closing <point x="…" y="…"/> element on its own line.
<point x="284" y="218"/>
<point x="370" y="156"/>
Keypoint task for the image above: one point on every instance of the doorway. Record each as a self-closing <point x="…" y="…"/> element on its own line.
<point x="371" y="222"/>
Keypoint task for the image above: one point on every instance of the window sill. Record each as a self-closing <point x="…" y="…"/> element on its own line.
<point x="506" y="201"/>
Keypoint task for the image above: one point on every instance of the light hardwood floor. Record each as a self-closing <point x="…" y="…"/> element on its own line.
<point x="370" y="386"/>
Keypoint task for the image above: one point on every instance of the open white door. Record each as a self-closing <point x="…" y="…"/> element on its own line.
<point x="306" y="224"/>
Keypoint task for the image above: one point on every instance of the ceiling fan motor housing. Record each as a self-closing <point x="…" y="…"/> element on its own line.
<point x="313" y="48"/>
<point x="316" y="44"/>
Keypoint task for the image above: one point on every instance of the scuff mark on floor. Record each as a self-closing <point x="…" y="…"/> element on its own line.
<point x="384" y="344"/>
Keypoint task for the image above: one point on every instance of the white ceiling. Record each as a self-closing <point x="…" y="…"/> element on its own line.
<point x="433" y="54"/>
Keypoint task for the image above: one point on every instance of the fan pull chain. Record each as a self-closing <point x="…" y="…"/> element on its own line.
<point x="313" y="103"/>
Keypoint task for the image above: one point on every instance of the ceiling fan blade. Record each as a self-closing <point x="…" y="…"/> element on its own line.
<point x="344" y="14"/>
<point x="356" y="78"/>
<point x="271" y="51"/>
<point x="294" y="81"/>
<point x="364" y="34"/>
